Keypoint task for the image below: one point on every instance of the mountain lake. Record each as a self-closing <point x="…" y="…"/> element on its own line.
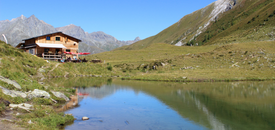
<point x="139" y="105"/>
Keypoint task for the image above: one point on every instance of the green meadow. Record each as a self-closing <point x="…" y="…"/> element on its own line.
<point x="245" y="61"/>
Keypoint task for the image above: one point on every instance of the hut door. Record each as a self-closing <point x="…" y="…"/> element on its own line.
<point x="56" y="51"/>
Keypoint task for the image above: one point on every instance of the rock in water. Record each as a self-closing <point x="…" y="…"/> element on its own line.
<point x="60" y="95"/>
<point x="38" y="94"/>
<point x="85" y="118"/>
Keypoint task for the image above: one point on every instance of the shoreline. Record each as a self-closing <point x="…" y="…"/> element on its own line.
<point x="201" y="80"/>
<point x="168" y="80"/>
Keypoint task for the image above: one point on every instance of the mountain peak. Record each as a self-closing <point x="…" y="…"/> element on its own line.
<point x="22" y="17"/>
<point x="32" y="16"/>
<point x="137" y="39"/>
<point x="71" y="25"/>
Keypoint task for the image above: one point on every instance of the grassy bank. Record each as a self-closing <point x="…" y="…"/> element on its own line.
<point x="30" y="73"/>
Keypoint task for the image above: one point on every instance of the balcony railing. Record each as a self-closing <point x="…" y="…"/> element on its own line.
<point x="50" y="56"/>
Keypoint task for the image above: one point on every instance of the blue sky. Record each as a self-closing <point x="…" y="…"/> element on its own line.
<point x="123" y="19"/>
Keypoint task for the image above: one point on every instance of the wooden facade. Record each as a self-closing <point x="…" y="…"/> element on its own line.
<point x="51" y="46"/>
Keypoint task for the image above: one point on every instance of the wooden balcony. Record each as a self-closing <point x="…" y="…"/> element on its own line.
<point x="50" y="56"/>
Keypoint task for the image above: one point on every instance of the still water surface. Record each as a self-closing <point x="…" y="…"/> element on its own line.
<point x="132" y="105"/>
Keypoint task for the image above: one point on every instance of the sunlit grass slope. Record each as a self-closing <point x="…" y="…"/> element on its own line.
<point x="248" y="21"/>
<point x="185" y="27"/>
<point x="239" y="61"/>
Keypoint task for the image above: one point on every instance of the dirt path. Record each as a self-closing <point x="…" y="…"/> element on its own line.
<point x="7" y="121"/>
<point x="9" y="126"/>
<point x="54" y="67"/>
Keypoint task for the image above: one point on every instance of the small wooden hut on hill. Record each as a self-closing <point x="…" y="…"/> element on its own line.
<point x="51" y="46"/>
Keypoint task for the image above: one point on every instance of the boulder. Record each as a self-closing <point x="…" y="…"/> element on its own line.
<point x="60" y="95"/>
<point x="24" y="106"/>
<point x="13" y="93"/>
<point x="15" y="84"/>
<point x="38" y="94"/>
<point x="85" y="118"/>
<point x="19" y="93"/>
<point x="8" y="92"/>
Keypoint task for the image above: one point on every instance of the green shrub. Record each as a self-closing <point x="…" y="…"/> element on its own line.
<point x="42" y="101"/>
<point x="110" y="67"/>
<point x="17" y="100"/>
<point x="54" y="120"/>
<point x="2" y="107"/>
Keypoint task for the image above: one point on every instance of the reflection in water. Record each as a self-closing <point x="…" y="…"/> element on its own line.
<point x="98" y="92"/>
<point x="214" y="122"/>
<point x="153" y="105"/>
<point x="71" y="104"/>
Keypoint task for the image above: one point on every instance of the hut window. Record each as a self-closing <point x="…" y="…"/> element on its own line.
<point x="46" y="50"/>
<point x="48" y="38"/>
<point x="57" y="38"/>
<point x="31" y="51"/>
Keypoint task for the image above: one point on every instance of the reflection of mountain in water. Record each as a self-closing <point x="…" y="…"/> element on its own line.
<point x="218" y="106"/>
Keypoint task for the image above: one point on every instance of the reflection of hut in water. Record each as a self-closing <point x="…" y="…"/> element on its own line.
<point x="100" y="92"/>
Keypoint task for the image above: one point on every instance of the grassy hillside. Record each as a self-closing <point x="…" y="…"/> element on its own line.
<point x="248" y="21"/>
<point x="185" y="28"/>
<point x="245" y="61"/>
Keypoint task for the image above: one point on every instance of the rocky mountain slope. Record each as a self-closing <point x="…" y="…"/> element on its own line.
<point x="248" y="21"/>
<point x="98" y="39"/>
<point x="222" y="22"/>
<point x="21" y="28"/>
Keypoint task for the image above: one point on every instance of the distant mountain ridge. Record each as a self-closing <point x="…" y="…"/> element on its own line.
<point x="21" y="28"/>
